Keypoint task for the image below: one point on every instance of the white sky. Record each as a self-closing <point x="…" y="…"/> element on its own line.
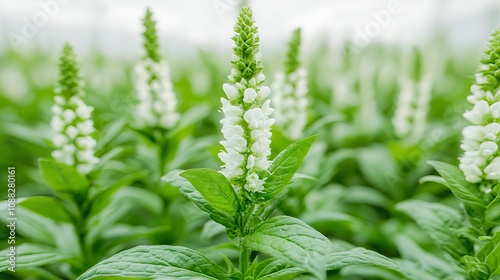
<point x="114" y="25"/>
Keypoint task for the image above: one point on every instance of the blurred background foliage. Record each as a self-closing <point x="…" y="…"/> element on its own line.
<point x="356" y="172"/>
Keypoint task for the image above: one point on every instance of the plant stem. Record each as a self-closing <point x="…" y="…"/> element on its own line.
<point x="244" y="259"/>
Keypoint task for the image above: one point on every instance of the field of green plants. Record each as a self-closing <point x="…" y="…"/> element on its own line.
<point x="380" y="163"/>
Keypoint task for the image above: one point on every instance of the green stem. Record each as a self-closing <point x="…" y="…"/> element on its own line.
<point x="244" y="259"/>
<point x="160" y="141"/>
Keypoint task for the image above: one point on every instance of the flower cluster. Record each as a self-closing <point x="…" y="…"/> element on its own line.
<point x="411" y="112"/>
<point x="72" y="124"/>
<point x="289" y="93"/>
<point x="481" y="159"/>
<point x="246" y="124"/>
<point x="157" y="100"/>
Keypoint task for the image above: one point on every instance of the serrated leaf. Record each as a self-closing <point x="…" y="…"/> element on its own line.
<point x="490" y="254"/>
<point x="31" y="255"/>
<point x="215" y="188"/>
<point x="456" y="182"/>
<point x="358" y="256"/>
<point x="440" y="222"/>
<point x="61" y="177"/>
<point x="285" y="165"/>
<point x="156" y="262"/>
<point x="292" y="241"/>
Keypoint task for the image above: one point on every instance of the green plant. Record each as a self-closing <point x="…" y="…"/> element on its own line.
<point x="472" y="243"/>
<point x="240" y="196"/>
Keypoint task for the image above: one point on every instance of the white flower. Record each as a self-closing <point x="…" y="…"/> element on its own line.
<point x="57" y="124"/>
<point x="254" y="183"/>
<point x="495" y="110"/>
<point x="249" y="95"/>
<point x="491" y="131"/>
<point x="157" y="100"/>
<point x="231" y="91"/>
<point x="476" y="115"/>
<point x="488" y="148"/>
<point x="72" y="132"/>
<point x="492" y="171"/>
<point x="56" y="109"/>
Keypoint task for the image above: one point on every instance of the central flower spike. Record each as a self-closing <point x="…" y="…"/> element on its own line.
<point x="481" y="159"/>
<point x="246" y="124"/>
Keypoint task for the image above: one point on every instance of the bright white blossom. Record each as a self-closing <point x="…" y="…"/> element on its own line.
<point x="290" y="102"/>
<point x="157" y="100"/>
<point x="409" y="119"/>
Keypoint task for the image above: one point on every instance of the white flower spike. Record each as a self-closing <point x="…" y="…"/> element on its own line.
<point x="246" y="125"/>
<point x="72" y="124"/>
<point x="480" y="162"/>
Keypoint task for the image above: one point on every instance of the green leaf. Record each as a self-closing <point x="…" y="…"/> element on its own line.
<point x="44" y="230"/>
<point x="379" y="168"/>
<point x="61" y="177"/>
<point x="187" y="189"/>
<point x="271" y="269"/>
<point x="415" y="272"/>
<point x="492" y="214"/>
<point x="358" y="256"/>
<point x="292" y="241"/>
<point x="410" y="251"/>
<point x="440" y="222"/>
<point x="456" y="182"/>
<point x="118" y="205"/>
<point x="490" y="254"/>
<point x="284" y="167"/>
<point x="215" y="188"/>
<point x="31" y="255"/>
<point x="156" y="262"/>
<point x="46" y="206"/>
<point x="210" y="230"/>
<point x="432" y="179"/>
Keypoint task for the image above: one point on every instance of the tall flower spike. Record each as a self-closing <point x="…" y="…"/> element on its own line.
<point x="72" y="124"/>
<point x="157" y="100"/>
<point x="290" y="90"/>
<point x="246" y="124"/>
<point x="480" y="162"/>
